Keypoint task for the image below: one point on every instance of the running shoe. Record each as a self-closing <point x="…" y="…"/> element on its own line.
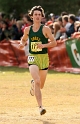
<point x="32" y="88"/>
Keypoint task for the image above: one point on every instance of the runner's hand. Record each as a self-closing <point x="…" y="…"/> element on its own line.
<point x="40" y="45"/>
<point x="21" y="46"/>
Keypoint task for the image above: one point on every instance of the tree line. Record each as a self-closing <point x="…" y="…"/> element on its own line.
<point x="18" y="7"/>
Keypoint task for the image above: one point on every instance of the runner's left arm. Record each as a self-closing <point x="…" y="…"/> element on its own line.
<point x="47" y="32"/>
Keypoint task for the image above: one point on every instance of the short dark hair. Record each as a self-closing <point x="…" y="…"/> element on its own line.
<point x="65" y="17"/>
<point x="59" y="18"/>
<point x="72" y="17"/>
<point x="64" y="13"/>
<point x="39" y="8"/>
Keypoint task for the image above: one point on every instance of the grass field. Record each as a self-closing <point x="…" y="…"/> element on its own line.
<point x="61" y="98"/>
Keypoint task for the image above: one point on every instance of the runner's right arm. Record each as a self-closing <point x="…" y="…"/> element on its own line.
<point x="25" y="36"/>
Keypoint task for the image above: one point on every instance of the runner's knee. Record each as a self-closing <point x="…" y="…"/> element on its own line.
<point x="37" y="82"/>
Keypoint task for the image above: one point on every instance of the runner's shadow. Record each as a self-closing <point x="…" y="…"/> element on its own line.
<point x="47" y="122"/>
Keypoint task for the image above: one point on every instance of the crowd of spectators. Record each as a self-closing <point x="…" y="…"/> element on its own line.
<point x="62" y="26"/>
<point x="12" y="28"/>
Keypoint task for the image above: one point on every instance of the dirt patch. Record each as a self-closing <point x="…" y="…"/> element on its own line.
<point x="60" y="97"/>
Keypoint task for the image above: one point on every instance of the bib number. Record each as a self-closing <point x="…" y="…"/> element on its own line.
<point x="34" y="47"/>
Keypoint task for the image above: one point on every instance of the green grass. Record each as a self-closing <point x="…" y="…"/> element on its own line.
<point x="16" y="74"/>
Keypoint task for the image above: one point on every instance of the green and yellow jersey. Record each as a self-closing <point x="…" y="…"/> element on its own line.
<point x="34" y="39"/>
<point x="38" y="56"/>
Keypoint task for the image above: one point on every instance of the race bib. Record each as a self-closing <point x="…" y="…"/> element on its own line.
<point x="31" y="58"/>
<point x="34" y="47"/>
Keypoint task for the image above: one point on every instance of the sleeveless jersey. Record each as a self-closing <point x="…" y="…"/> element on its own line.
<point x="34" y="39"/>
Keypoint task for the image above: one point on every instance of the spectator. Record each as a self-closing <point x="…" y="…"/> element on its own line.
<point x="59" y="19"/>
<point x="64" y="13"/>
<point x="71" y="29"/>
<point x="66" y="25"/>
<point x="19" y="24"/>
<point x="27" y="21"/>
<point x="51" y="17"/>
<point x="77" y="26"/>
<point x="13" y="29"/>
<point x="57" y="33"/>
<point x="51" y="27"/>
<point x="4" y="34"/>
<point x="50" y="24"/>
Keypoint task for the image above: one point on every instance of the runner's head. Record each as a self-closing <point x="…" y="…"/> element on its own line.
<point x="38" y="8"/>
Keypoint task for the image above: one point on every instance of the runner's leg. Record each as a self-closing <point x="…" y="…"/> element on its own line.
<point x="34" y="70"/>
<point x="43" y="74"/>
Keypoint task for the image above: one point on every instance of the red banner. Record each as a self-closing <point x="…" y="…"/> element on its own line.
<point x="12" y="55"/>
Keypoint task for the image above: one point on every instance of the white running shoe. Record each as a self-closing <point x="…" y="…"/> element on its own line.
<point x="32" y="88"/>
<point x="42" y="110"/>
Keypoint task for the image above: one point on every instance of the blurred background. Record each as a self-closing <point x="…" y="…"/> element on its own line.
<point x="18" y="7"/>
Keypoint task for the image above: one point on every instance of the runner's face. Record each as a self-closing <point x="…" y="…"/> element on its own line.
<point x="37" y="16"/>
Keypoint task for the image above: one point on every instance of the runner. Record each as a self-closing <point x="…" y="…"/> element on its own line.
<point x="38" y="59"/>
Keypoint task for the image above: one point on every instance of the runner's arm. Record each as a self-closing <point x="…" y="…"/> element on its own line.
<point x="48" y="34"/>
<point x="24" y="37"/>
